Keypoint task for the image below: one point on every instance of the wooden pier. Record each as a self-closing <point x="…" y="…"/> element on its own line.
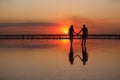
<point x="59" y="36"/>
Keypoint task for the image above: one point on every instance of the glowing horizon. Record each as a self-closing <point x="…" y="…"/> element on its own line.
<point x="100" y="16"/>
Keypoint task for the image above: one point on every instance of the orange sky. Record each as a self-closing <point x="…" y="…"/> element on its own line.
<point x="101" y="16"/>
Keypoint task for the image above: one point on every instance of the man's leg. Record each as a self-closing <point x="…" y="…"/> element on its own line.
<point x="84" y="41"/>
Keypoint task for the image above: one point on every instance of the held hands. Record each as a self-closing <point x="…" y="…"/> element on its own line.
<point x="77" y="33"/>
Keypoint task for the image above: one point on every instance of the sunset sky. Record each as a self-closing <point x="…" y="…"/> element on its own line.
<point x="55" y="16"/>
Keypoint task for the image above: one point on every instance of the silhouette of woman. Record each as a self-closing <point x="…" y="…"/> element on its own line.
<point x="84" y="31"/>
<point x="71" y="54"/>
<point x="71" y="31"/>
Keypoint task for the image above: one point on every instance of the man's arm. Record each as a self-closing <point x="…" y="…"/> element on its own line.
<point x="80" y="31"/>
<point x="87" y="31"/>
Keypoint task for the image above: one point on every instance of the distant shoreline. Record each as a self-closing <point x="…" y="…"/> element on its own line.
<point x="59" y="36"/>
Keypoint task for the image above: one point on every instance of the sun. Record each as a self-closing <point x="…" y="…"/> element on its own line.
<point x="64" y="29"/>
<point x="66" y="32"/>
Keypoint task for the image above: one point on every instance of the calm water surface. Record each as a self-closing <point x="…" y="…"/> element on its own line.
<point x="57" y="60"/>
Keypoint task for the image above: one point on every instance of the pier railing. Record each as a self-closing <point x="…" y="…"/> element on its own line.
<point x="59" y="36"/>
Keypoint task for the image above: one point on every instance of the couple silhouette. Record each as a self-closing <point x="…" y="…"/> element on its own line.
<point x="84" y="57"/>
<point x="84" y="31"/>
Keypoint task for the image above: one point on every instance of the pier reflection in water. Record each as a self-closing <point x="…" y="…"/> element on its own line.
<point x="52" y="59"/>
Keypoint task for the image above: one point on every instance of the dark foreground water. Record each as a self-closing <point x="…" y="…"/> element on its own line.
<point x="57" y="60"/>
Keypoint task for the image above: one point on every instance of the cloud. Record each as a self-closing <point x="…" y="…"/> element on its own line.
<point x="28" y="24"/>
<point x="28" y="45"/>
<point x="116" y="1"/>
<point x="97" y="26"/>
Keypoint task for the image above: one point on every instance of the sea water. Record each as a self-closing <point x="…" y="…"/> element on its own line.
<point x="50" y="60"/>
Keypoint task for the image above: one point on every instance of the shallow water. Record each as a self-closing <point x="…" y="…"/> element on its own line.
<point x="51" y="60"/>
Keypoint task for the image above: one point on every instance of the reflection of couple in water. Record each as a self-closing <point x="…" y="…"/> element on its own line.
<point x="84" y="57"/>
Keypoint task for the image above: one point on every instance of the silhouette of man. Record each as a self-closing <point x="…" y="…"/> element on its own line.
<point x="84" y="31"/>
<point x="84" y="57"/>
<point x="71" y="31"/>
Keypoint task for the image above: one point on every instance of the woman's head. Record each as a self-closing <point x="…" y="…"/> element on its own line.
<point x="71" y="26"/>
